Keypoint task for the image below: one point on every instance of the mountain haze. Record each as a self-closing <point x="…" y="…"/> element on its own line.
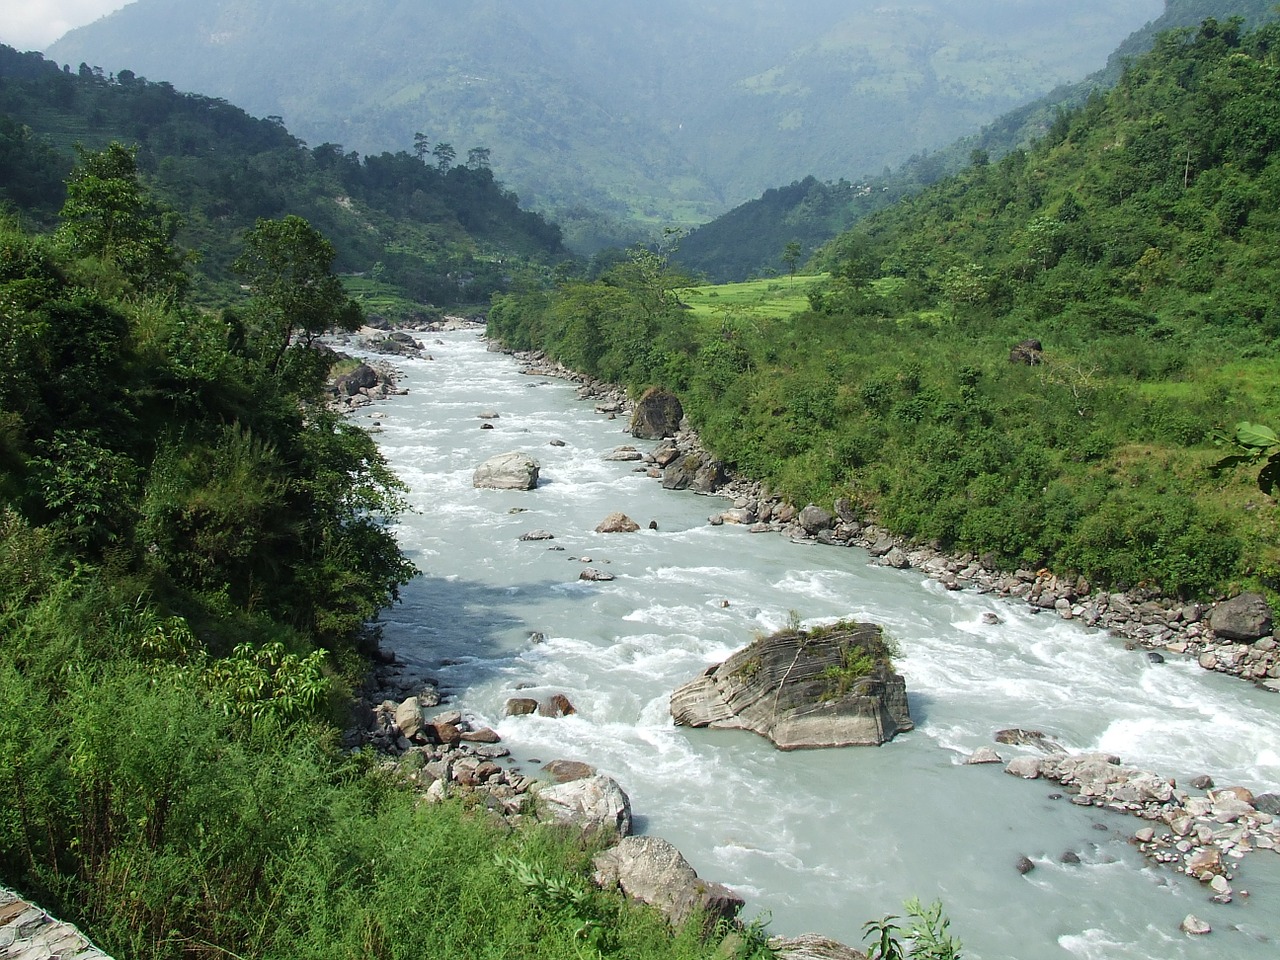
<point x="609" y="113"/>
<point x="748" y="240"/>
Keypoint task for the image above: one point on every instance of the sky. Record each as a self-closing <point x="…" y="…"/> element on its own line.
<point x="35" y="24"/>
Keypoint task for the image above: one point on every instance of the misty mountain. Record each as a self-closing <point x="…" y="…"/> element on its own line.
<point x="612" y="112"/>
<point x="748" y="240"/>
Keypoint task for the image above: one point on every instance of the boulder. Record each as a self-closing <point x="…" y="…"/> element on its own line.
<point x="814" y="519"/>
<point x="521" y="706"/>
<point x="591" y="804"/>
<point x="508" y="471"/>
<point x="566" y="771"/>
<point x="657" y="415"/>
<point x="1194" y="926"/>
<point x="983" y="755"/>
<point x="617" y="523"/>
<point x="830" y="687"/>
<point x="811" y="946"/>
<point x="652" y="871"/>
<point x="363" y="377"/>
<point x="1029" y="352"/>
<point x="537" y="535"/>
<point x="1242" y="619"/>
<point x="624" y="455"/>
<point x="696" y="472"/>
<point x="593" y="575"/>
<point x="556" y="705"/>
<point x="409" y="717"/>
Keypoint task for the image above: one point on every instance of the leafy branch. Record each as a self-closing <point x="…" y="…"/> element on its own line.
<point x="1250" y="443"/>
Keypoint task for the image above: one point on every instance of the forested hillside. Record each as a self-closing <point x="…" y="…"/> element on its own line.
<point x="619" y="118"/>
<point x="1136" y="245"/>
<point x="748" y="240"/>
<point x="430" y="226"/>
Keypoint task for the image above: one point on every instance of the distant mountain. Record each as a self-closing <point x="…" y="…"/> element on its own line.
<point x="748" y="240"/>
<point x="617" y="115"/>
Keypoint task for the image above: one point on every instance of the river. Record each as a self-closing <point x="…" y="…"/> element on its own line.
<point x="816" y="840"/>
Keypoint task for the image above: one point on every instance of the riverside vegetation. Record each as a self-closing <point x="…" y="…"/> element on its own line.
<point x="1132" y="254"/>
<point x="191" y="546"/>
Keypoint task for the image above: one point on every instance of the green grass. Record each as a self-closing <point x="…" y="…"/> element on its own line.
<point x="774" y="298"/>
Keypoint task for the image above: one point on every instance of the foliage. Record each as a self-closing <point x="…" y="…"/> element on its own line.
<point x="927" y="936"/>
<point x="1137" y="244"/>
<point x="1254" y="440"/>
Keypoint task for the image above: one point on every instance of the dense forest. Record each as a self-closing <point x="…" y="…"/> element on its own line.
<point x="748" y="240"/>
<point x="1135" y="245"/>
<point x="431" y="226"/>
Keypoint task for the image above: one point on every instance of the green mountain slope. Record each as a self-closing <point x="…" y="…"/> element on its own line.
<point x="618" y="113"/>
<point x="749" y="239"/>
<point x="432" y="231"/>
<point x="1138" y="244"/>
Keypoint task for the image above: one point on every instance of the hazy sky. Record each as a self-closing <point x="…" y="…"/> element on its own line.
<point x="34" y="24"/>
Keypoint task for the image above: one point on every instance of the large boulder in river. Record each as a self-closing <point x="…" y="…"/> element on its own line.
<point x="617" y="523"/>
<point x="1245" y="618"/>
<point x="698" y="472"/>
<point x="826" y="687"/>
<point x="509" y="471"/>
<point x="651" y="870"/>
<point x="657" y="414"/>
<point x="593" y="804"/>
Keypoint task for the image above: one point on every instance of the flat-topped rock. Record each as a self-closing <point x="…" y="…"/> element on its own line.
<point x="828" y="687"/>
<point x="508" y="471"/>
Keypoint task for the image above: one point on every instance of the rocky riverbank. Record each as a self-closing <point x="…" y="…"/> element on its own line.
<point x="1232" y="636"/>
<point x="1202" y="832"/>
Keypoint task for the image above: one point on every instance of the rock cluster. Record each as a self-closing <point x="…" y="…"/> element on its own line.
<point x="830" y="687"/>
<point x="1203" y="836"/>
<point x="364" y="385"/>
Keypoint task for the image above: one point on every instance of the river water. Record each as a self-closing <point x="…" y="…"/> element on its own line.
<point x="817" y="840"/>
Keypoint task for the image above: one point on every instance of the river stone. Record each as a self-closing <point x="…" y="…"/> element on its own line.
<point x="657" y="415"/>
<point x="409" y="717"/>
<point x="1194" y="926"/>
<point x="1024" y="865"/>
<point x="652" y="871"/>
<point x="592" y="804"/>
<point x="1243" y="619"/>
<point x="557" y="705"/>
<point x="617" y="523"/>
<point x="1268" y="803"/>
<point x="566" y="771"/>
<point x="787" y="687"/>
<point x="521" y="706"/>
<point x="1204" y="863"/>
<point x="983" y="755"/>
<point x="814" y="519"/>
<point x="1028" y="768"/>
<point x="537" y="535"/>
<point x="508" y="471"/>
<point x="811" y="946"/>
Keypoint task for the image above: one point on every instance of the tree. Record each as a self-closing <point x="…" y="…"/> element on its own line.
<point x="421" y="146"/>
<point x="108" y="216"/>
<point x="478" y="158"/>
<point x="288" y="266"/>
<point x="445" y="155"/>
<point x="791" y="256"/>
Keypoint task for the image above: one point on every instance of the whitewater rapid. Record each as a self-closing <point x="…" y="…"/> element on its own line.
<point x="818" y="840"/>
